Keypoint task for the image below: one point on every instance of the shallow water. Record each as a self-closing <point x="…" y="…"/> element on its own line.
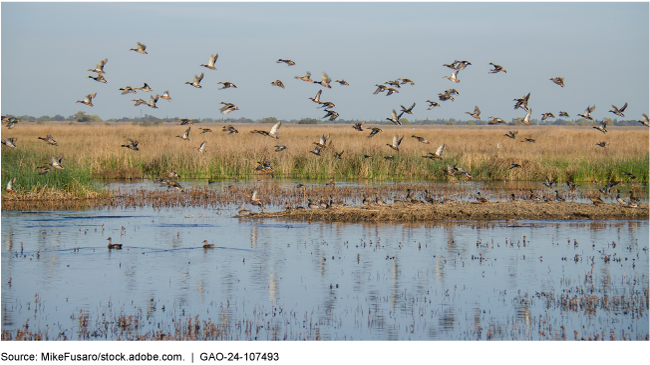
<point x="271" y="279"/>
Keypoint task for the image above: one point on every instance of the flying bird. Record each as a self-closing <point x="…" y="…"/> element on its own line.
<point x="526" y="119"/>
<point x="128" y="89"/>
<point x="511" y="134"/>
<point x="587" y="113"/>
<point x="165" y="96"/>
<point x="226" y="85"/>
<point x="325" y="81"/>
<point x="288" y="62"/>
<point x="211" y="61"/>
<point x="438" y="154"/>
<point x="432" y="104"/>
<point x="201" y="148"/>
<point x="10" y="142"/>
<point x="99" y="78"/>
<point x="618" y="111"/>
<point x="547" y="115"/>
<point x="196" y="81"/>
<point x="421" y="139"/>
<point x="88" y="100"/>
<point x="49" y="140"/>
<point x="57" y="162"/>
<point x="131" y="144"/>
<point x="523" y="102"/>
<point x="603" y="125"/>
<point x="644" y="120"/>
<point x="228" y="107"/>
<point x="278" y="83"/>
<point x="495" y="120"/>
<point x="140" y="49"/>
<point x="100" y="66"/>
<point x="558" y="80"/>
<point x="186" y="135"/>
<point x="230" y="129"/>
<point x="307" y="77"/>
<point x="453" y="77"/>
<point x="145" y="88"/>
<point x="375" y="131"/>
<point x="10" y="185"/>
<point x="395" y="118"/>
<point x="476" y="114"/>
<point x="358" y="126"/>
<point x="497" y="68"/>
<point x="408" y="110"/>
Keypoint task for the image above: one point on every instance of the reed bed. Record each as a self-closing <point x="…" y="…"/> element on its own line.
<point x="93" y="151"/>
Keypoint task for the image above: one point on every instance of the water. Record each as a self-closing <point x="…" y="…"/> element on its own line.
<point x="287" y="280"/>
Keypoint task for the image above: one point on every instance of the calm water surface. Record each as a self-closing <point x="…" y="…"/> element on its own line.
<point x="271" y="279"/>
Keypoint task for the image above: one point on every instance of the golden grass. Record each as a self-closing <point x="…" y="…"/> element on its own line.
<point x="475" y="147"/>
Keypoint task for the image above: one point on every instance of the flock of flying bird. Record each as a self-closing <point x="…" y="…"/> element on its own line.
<point x="327" y="106"/>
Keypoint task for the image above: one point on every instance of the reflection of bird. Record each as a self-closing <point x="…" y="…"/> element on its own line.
<point x="186" y="135"/>
<point x="211" y="61"/>
<point x="421" y="139"/>
<point x="497" y="68"/>
<point x="395" y="118"/>
<point x="278" y="83"/>
<point x="141" y="48"/>
<point x="375" y="130"/>
<point x="587" y="112"/>
<point x="88" y="100"/>
<point x="558" y="80"/>
<point x="195" y="82"/>
<point x="618" y="111"/>
<point x="100" y="66"/>
<point x="49" y="140"/>
<point x="476" y="114"/>
<point x="396" y="142"/>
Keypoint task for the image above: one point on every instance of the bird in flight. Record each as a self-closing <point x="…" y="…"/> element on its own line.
<point x="196" y="81"/>
<point x="140" y="49"/>
<point x="211" y="61"/>
<point x="88" y="100"/>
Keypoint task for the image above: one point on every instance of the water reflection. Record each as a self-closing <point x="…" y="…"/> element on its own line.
<point x="273" y="279"/>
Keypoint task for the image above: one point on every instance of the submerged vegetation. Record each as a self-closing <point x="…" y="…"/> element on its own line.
<point x="95" y="152"/>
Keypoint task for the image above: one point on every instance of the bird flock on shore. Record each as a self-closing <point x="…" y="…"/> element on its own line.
<point x="389" y="88"/>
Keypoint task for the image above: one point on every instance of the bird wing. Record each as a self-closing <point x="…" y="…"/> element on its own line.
<point x="213" y="59"/>
<point x="198" y="79"/>
<point x="187" y="132"/>
<point x="274" y="129"/>
<point x="441" y="150"/>
<point x="394" y="116"/>
<point x="477" y="111"/>
<point x="326" y="78"/>
<point x="317" y="98"/>
<point x="399" y="141"/>
<point x="623" y="108"/>
<point x="396" y="140"/>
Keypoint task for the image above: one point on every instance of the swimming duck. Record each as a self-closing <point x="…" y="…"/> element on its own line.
<point x="230" y="129"/>
<point x="288" y="62"/>
<point x="432" y="104"/>
<point x="10" y="185"/>
<point x="526" y="119"/>
<point x="558" y="80"/>
<point x="196" y="81"/>
<point x="145" y="88"/>
<point x="476" y="114"/>
<point x="307" y="77"/>
<point x="49" y="140"/>
<point x="395" y="118"/>
<point x="140" y="49"/>
<point x="511" y="134"/>
<point x="226" y="85"/>
<point x="201" y="148"/>
<point x="113" y="246"/>
<point x="587" y="113"/>
<point x="186" y="135"/>
<point x="99" y="78"/>
<point x="100" y="66"/>
<point x="407" y="110"/>
<point x="396" y="142"/>
<point x="211" y="61"/>
<point x="325" y="81"/>
<point x="497" y="68"/>
<point x="10" y="142"/>
<point x="618" y="111"/>
<point x="421" y="139"/>
<point x="125" y="90"/>
<point x="278" y="83"/>
<point x="358" y="126"/>
<point x="375" y="130"/>
<point x="242" y="212"/>
<point x="207" y="245"/>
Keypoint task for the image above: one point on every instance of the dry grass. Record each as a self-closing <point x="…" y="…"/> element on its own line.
<point x="482" y="150"/>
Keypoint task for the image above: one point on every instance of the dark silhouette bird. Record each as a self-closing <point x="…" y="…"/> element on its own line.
<point x="407" y="110"/>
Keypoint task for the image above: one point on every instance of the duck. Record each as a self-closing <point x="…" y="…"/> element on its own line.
<point x="618" y="111"/>
<point x="327" y="105"/>
<point x="278" y="83"/>
<point x="533" y="196"/>
<point x="432" y="104"/>
<point x="375" y="130"/>
<point x="201" y="148"/>
<point x="619" y="199"/>
<point x="331" y="114"/>
<point x="226" y="85"/>
<point x="273" y="133"/>
<point x="405" y="81"/>
<point x="563" y="114"/>
<point x="603" y="144"/>
<point x="522" y="102"/>
<point x="481" y="199"/>
<point x="421" y="139"/>
<point x="358" y="126"/>
<point x="438" y="154"/>
<point x="228" y="107"/>
<point x="145" y="87"/>
<point x="391" y="91"/>
<point x="316" y="99"/>
<point x="407" y="110"/>
<point x="113" y="246"/>
<point x="630" y="175"/>
<point x="526" y="119"/>
<point x="511" y="134"/>
<point x="497" y="68"/>
<point x="571" y="185"/>
<point x="99" y="78"/>
<point x="230" y="129"/>
<point x="152" y="101"/>
<point x="255" y="200"/>
<point x="312" y="205"/>
<point x="453" y="77"/>
<point x="342" y="82"/>
<point x="88" y="99"/>
<point x="172" y="175"/>
<point x="10" y="185"/>
<point x="11" y="122"/>
<point x="603" y="125"/>
<point x="380" y="88"/>
<point x="186" y="135"/>
<point x="596" y="200"/>
<point x="644" y="120"/>
<point x="389" y="158"/>
<point x="175" y="185"/>
<point x="57" y="161"/>
<point x="396" y="142"/>
<point x="196" y="81"/>
<point x="140" y="48"/>
<point x="338" y="155"/>
<point x="395" y="118"/>
<point x="206" y="130"/>
<point x="514" y="166"/>
<point x="211" y="61"/>
<point x="125" y="90"/>
<point x="165" y="96"/>
<point x="49" y="140"/>
<point x="10" y="142"/>
<point x="549" y="183"/>
<point x="307" y="77"/>
<point x="184" y="121"/>
<point x="325" y="81"/>
<point x="558" y="80"/>
<point x="476" y="114"/>
<point x="495" y="120"/>
<point x="547" y="115"/>
<point x="207" y="245"/>
<point x="288" y="62"/>
<point x="317" y="151"/>
<point x="464" y="172"/>
<point x="587" y="112"/>
<point x="558" y="197"/>
<point x="100" y="66"/>
<point x="43" y="170"/>
<point x="243" y="212"/>
<point x="451" y="170"/>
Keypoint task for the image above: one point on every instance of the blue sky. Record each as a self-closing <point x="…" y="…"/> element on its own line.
<point x="601" y="49"/>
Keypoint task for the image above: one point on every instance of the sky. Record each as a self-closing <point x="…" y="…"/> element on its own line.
<point x="600" y="48"/>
